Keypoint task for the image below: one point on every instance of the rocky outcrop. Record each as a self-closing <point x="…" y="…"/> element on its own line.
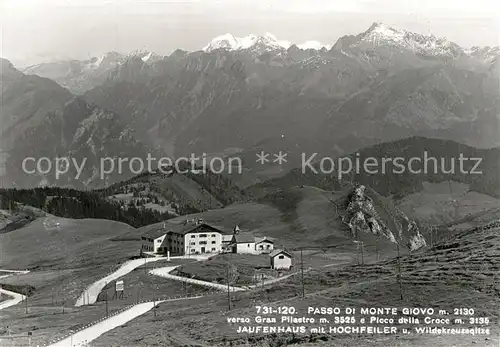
<point x="364" y="218"/>
<point x="417" y="241"/>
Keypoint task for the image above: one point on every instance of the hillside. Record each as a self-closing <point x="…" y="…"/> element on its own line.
<point x="64" y="256"/>
<point x="445" y="203"/>
<point x="18" y="216"/>
<point x="62" y="243"/>
<point x="40" y="119"/>
<point x="478" y="170"/>
<point x="345" y="218"/>
<point x="69" y="203"/>
<point x="180" y="193"/>
<point x="145" y="199"/>
<point x="442" y="200"/>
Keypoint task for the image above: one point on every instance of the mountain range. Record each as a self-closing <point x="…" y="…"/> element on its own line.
<point x="239" y="96"/>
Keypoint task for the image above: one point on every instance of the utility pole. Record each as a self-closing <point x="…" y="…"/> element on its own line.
<point x="399" y="274"/>
<point x="228" y="288"/>
<point x="302" y="273"/>
<point x="210" y="189"/>
<point x="357" y="245"/>
<point x="361" y="244"/>
<point x="398" y="229"/>
<point x="107" y="310"/>
<point x="26" y="299"/>
<point x="154" y="301"/>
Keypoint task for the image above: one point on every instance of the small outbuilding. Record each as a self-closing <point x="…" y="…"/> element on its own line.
<point x="245" y="243"/>
<point x="280" y="259"/>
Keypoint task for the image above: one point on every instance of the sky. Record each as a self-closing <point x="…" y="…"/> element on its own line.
<point x="35" y="31"/>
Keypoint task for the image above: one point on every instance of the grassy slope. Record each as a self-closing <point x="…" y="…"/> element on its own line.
<point x="444" y="203"/>
<point x="63" y="261"/>
<point x="74" y="244"/>
<point x="257" y="218"/>
<point x="52" y="289"/>
<point x="139" y="284"/>
<point x="191" y="191"/>
<point x="314" y="221"/>
<point x="457" y="273"/>
<point x="309" y="213"/>
<point x="244" y="267"/>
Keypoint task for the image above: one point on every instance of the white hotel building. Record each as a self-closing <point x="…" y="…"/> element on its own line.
<point x="197" y="237"/>
<point x="193" y="237"/>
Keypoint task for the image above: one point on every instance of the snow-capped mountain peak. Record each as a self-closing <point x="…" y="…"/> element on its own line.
<point x="105" y="61"/>
<point x="232" y="43"/>
<point x="145" y="55"/>
<point x="263" y="43"/>
<point x="313" y="45"/>
<point x="226" y="41"/>
<point x="385" y="30"/>
<point x="383" y="34"/>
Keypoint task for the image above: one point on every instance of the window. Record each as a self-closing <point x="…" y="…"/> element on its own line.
<point x="203" y="242"/>
<point x="213" y="249"/>
<point x="203" y="235"/>
<point x="193" y="250"/>
<point x="193" y="243"/>
<point x="213" y="242"/>
<point x="193" y="236"/>
<point x="282" y="257"/>
<point x="158" y="241"/>
<point x="213" y="235"/>
<point x="248" y="245"/>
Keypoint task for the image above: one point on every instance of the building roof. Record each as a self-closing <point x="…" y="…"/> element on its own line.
<point x="262" y="239"/>
<point x="227" y="237"/>
<point x="189" y="228"/>
<point x="244" y="238"/>
<point x="155" y="233"/>
<point x="182" y="229"/>
<point x="279" y="251"/>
